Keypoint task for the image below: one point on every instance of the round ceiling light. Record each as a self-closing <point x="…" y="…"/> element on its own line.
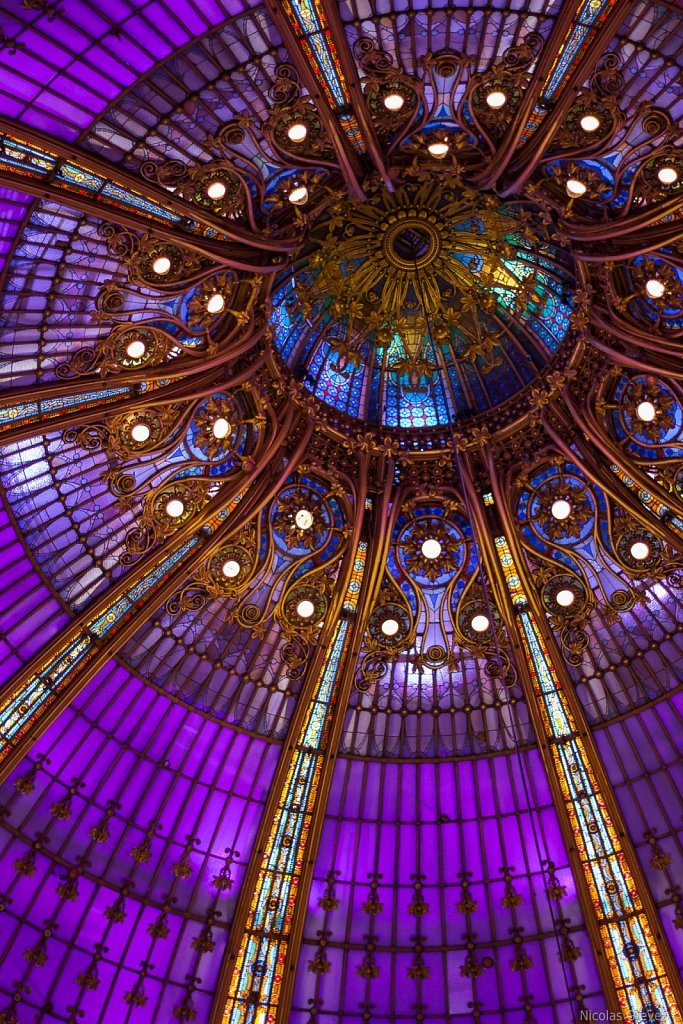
<point x="393" y="101"/>
<point x="575" y="188"/>
<point x="640" y="550"/>
<point x="298" y="195"/>
<point x="297" y="132"/>
<point x="654" y="288"/>
<point x="161" y="265"/>
<point x="305" y="609"/>
<point x="215" y="304"/>
<point x="136" y="349"/>
<point x="175" y="508"/>
<point x="216" y="190"/>
<point x="431" y="548"/>
<point x="560" y="509"/>
<point x="496" y="99"/>
<point x="565" y="598"/>
<point x="390" y="627"/>
<point x="590" y="123"/>
<point x="231" y="568"/>
<point x="667" y="175"/>
<point x="303" y="519"/>
<point x="646" y="411"/>
<point x="438" y="149"/>
<point x="480" y="623"/>
<point x="139" y="432"/>
<point x="220" y="428"/>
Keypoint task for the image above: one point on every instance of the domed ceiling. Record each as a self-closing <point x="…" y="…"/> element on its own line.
<point x="342" y="512"/>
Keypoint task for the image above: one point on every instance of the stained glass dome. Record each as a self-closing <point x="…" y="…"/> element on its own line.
<point x="342" y="512"/>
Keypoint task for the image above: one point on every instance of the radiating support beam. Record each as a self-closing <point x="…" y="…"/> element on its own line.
<point x="47" y="684"/>
<point x="258" y="972"/>
<point x="34" y="417"/>
<point x="581" y="33"/>
<point x="360" y="107"/>
<point x="635" y="962"/>
<point x="305" y="31"/>
<point x="64" y="402"/>
<point x="572" y="444"/>
<point x="37" y="164"/>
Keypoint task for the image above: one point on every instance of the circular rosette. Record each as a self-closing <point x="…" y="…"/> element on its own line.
<point x="431" y="550"/>
<point x="301" y="520"/>
<point x="229" y="568"/>
<point x="174" y="504"/>
<point x="215" y="428"/>
<point x="476" y="621"/>
<point x="217" y="188"/>
<point x="390" y="624"/>
<point x="137" y="431"/>
<point x="650" y="413"/>
<point x="561" y="509"/>
<point x="639" y="550"/>
<point x="159" y="263"/>
<point x="564" y="595"/>
<point x="133" y="347"/>
<point x="303" y="607"/>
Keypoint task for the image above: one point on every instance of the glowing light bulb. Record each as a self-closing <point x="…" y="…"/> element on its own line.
<point x="297" y="132"/>
<point x="646" y="411"/>
<point x="667" y="175"/>
<point x="565" y="598"/>
<point x="139" y="432"/>
<point x="560" y="509"/>
<point x="590" y="123"/>
<point x="393" y="101"/>
<point x="231" y="568"/>
<point x="654" y="288"/>
<point x="175" y="508"/>
<point x="390" y="627"/>
<point x="640" y="550"/>
<point x="215" y="304"/>
<point x="303" y="519"/>
<point x="575" y="188"/>
<point x="298" y="195"/>
<point x="136" y="349"/>
<point x="480" y="623"/>
<point x="438" y="149"/>
<point x="220" y="428"/>
<point x="431" y="548"/>
<point x="496" y="99"/>
<point x="305" y="609"/>
<point x="161" y="265"/>
<point x="216" y="190"/>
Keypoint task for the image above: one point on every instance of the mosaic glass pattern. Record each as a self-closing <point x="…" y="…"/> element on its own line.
<point x="629" y="945"/>
<point x="257" y="974"/>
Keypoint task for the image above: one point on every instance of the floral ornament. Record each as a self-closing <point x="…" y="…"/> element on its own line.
<point x="209" y="302"/>
<point x="430" y="549"/>
<point x="597" y="188"/>
<point x="300" y="519"/>
<point x="215" y="427"/>
<point x="638" y="396"/>
<point x="561" y="509"/>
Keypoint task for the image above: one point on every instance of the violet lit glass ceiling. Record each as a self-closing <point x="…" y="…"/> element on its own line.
<point x="131" y="831"/>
